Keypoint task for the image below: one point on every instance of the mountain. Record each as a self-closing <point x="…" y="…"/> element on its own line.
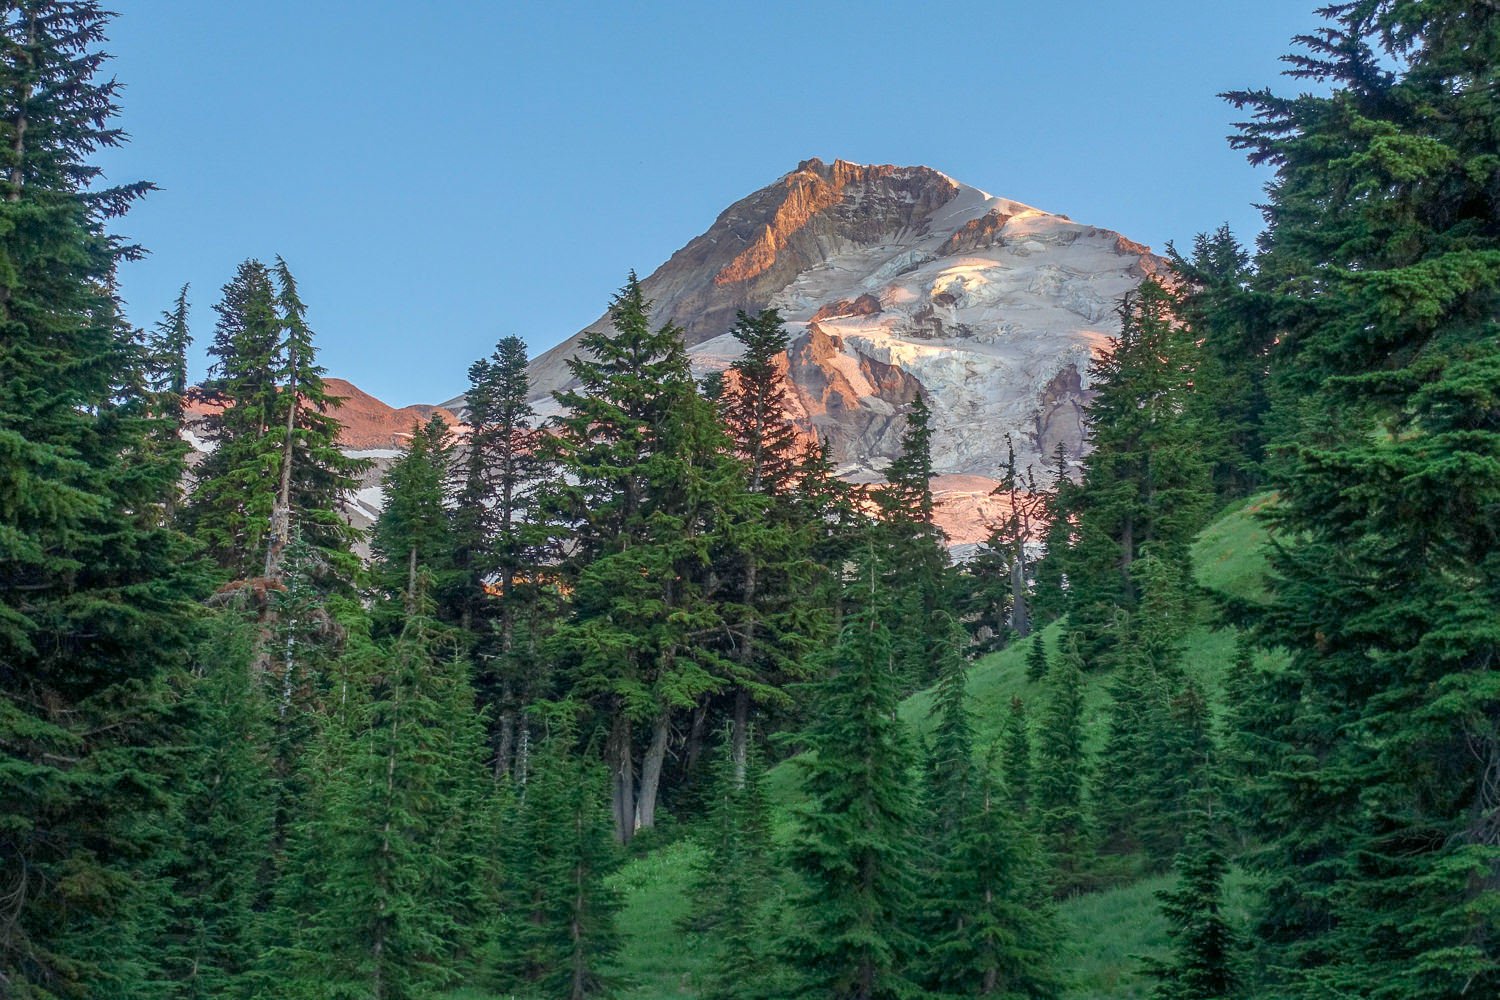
<point x="371" y="429"/>
<point x="898" y="280"/>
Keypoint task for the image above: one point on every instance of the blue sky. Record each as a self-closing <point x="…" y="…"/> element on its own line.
<point x="439" y="175"/>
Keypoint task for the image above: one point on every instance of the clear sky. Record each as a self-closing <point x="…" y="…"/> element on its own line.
<point x="442" y="174"/>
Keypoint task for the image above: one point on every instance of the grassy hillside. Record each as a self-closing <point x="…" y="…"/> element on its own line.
<point x="1108" y="931"/>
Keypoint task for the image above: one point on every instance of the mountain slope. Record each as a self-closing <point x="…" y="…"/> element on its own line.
<point x="899" y="280"/>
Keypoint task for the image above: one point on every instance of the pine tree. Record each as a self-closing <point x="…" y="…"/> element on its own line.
<point x="1379" y="813"/>
<point x="850" y="927"/>
<point x="501" y="600"/>
<point x="276" y="462"/>
<point x="224" y="833"/>
<point x="1015" y="758"/>
<point x="1233" y="326"/>
<point x="313" y="474"/>
<point x="235" y="485"/>
<point x="645" y="472"/>
<point x="771" y="617"/>
<point x="96" y="597"/>
<point x="414" y="534"/>
<point x="379" y="887"/>
<point x="167" y="382"/>
<point x="1036" y="659"/>
<point x="914" y="558"/>
<point x="1061" y="773"/>
<point x="559" y="936"/>
<point x="1146" y="485"/>
<point x="1204" y="964"/>
<point x="732" y="884"/>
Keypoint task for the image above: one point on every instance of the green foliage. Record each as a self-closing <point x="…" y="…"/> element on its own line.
<point x="558" y="933"/>
<point x="1382" y="270"/>
<point x="1146" y="485"/>
<point x="276" y="465"/>
<point x="1061" y="772"/>
<point x="223" y="851"/>
<point x="1205" y="959"/>
<point x="378" y="878"/>
<point x="645" y="477"/>
<point x="850" y="933"/>
<point x="97" y="614"/>
<point x="733" y="887"/>
<point x="414" y="533"/>
<point x="914" y="560"/>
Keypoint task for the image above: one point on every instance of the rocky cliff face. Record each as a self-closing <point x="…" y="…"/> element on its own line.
<point x="896" y="281"/>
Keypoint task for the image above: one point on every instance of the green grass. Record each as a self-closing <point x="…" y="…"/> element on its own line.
<point x="1108" y="931"/>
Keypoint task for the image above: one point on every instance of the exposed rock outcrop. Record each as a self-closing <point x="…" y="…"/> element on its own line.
<point x="899" y="280"/>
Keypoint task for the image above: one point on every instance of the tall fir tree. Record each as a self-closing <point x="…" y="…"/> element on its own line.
<point x="501" y="599"/>
<point x="224" y="831"/>
<point x="1061" y="774"/>
<point x="1146" y="484"/>
<point x="851" y="935"/>
<point x="96" y="596"/>
<point x="276" y="464"/>
<point x="414" y="534"/>
<point x="766" y="542"/>
<point x="733" y="886"/>
<point x="1380" y="815"/>
<point x="645" y="471"/>
<point x="558" y="930"/>
<point x="376" y="884"/>
<point x="914" y="557"/>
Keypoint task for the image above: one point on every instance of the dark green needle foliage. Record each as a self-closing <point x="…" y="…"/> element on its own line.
<point x="851" y="934"/>
<point x="379" y="881"/>
<point x="1061" y="773"/>
<point x="96" y="596"/>
<point x="734" y="885"/>
<point x="558" y="935"/>
<point x="1382" y="262"/>
<point x="1206" y="950"/>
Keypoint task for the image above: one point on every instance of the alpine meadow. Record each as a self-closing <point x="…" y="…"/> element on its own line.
<point x="900" y="593"/>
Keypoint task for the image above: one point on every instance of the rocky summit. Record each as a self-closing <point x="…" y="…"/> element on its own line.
<point x="899" y="280"/>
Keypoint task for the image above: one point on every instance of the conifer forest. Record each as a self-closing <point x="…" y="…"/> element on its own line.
<point x="642" y="699"/>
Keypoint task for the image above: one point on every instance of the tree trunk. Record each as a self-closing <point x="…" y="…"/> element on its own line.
<point x="281" y="514"/>
<point x="651" y="767"/>
<point x="505" y="739"/>
<point x="1020" y="615"/>
<point x="622" y="777"/>
<point x="695" y="738"/>
<point x="740" y="736"/>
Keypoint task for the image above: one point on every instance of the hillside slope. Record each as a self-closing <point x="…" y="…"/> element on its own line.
<point x="1108" y="931"/>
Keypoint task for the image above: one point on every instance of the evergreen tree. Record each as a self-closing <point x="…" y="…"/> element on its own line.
<point x="1204" y="964"/>
<point x="1378" y="812"/>
<point x="276" y="461"/>
<point x="314" y="475"/>
<point x="224" y="832"/>
<point x="379" y="888"/>
<point x="235" y="485"/>
<point x="645" y="473"/>
<point x="414" y="534"/>
<point x="167" y="382"/>
<point x="1036" y="658"/>
<point x="914" y="558"/>
<point x="1146" y="483"/>
<point x="850" y="927"/>
<point x="500" y="598"/>
<point x="1061" y="772"/>
<point x="1233" y="327"/>
<point x="733" y="884"/>
<point x="1015" y="758"/>
<point x="96" y="615"/>
<point x="559" y="936"/>
<point x="771" y="617"/>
